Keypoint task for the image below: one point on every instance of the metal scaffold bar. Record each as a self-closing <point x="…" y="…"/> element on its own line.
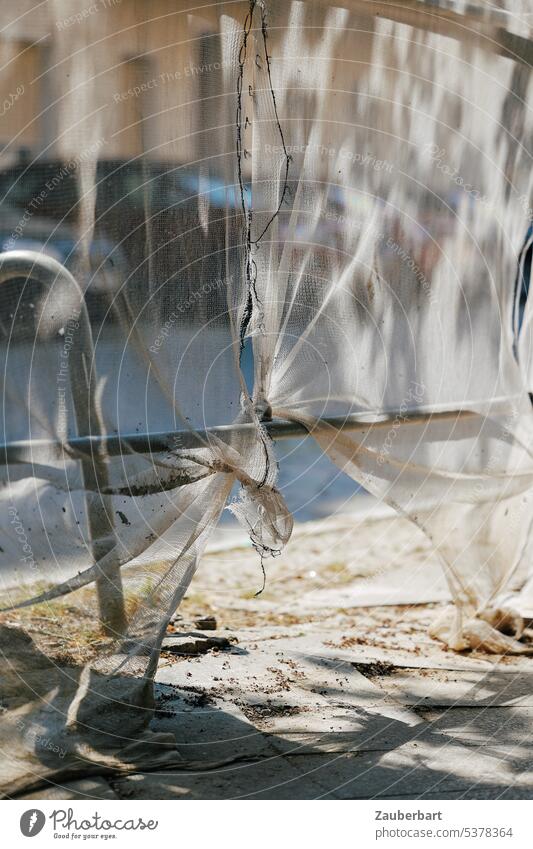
<point x="29" y="265"/>
<point x="28" y="451"/>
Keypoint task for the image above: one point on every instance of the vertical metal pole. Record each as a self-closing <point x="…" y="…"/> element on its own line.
<point x="95" y="479"/>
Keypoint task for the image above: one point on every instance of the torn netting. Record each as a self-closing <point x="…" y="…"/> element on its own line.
<point x="420" y="149"/>
<point x="348" y="190"/>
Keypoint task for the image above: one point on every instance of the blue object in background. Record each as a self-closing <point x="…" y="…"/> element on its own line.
<point x="522" y="282"/>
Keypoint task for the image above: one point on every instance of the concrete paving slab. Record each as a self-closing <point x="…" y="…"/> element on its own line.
<point x="85" y="788"/>
<point x="207" y="730"/>
<point x="495" y="688"/>
<point x="505" y="733"/>
<point x="274" y="778"/>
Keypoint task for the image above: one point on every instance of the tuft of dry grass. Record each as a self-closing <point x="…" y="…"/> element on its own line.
<point x="66" y="630"/>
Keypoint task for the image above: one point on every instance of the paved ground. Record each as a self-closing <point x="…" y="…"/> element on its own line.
<point x="317" y="690"/>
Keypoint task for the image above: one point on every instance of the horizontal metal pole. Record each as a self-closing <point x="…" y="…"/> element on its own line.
<point x="34" y="450"/>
